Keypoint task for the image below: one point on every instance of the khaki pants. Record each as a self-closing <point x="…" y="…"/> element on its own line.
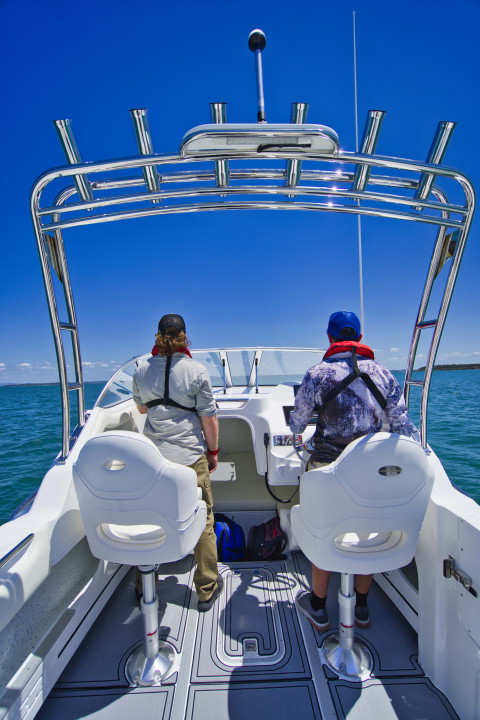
<point x="206" y="572"/>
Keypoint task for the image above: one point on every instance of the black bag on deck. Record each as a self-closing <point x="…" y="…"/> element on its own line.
<point x="266" y="541"/>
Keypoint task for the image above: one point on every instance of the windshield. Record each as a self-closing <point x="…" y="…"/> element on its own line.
<point x="119" y="387"/>
<point x="240" y="367"/>
<point x="277" y="366"/>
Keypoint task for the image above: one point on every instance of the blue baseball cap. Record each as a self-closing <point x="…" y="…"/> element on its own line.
<point x="339" y="321"/>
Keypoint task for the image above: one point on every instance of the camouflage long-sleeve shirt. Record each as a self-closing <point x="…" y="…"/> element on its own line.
<point x="354" y="412"/>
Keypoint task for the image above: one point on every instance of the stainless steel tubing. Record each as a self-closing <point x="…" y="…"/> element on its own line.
<point x="67" y="138"/>
<point x="346" y="599"/>
<point x="145" y="146"/>
<point x="346" y="655"/>
<point x="436" y="154"/>
<point x="294" y="167"/>
<point x="218" y="113"/>
<point x="371" y="133"/>
<point x="261" y="117"/>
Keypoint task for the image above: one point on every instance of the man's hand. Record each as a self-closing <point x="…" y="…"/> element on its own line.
<point x="212" y="461"/>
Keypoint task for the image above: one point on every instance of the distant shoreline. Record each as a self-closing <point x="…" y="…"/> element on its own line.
<point x="471" y="366"/>
<point x="38" y="384"/>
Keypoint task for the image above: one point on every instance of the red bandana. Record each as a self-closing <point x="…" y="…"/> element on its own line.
<point x="345" y="345"/>
<point x="185" y="351"/>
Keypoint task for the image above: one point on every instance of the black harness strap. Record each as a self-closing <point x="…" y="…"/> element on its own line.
<point x="166" y="393"/>
<point x="335" y="391"/>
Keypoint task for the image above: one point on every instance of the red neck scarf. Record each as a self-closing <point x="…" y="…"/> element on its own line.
<point x="185" y="351"/>
<point x="345" y="345"/>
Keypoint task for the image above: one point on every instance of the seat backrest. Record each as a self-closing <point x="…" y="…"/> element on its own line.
<point x="136" y="506"/>
<point x="363" y="513"/>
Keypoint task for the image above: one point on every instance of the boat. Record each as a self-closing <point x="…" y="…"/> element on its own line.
<point x="69" y="622"/>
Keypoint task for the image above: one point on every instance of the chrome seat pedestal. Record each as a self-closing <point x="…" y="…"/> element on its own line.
<point x="150" y="663"/>
<point x="345" y="654"/>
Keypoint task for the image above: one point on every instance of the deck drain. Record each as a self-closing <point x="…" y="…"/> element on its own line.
<point x="250" y="649"/>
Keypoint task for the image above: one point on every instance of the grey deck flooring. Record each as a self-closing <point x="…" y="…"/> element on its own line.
<point x="251" y="657"/>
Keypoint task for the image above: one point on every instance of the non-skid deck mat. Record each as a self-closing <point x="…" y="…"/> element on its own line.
<point x="100" y="660"/>
<point x="109" y="704"/>
<point x="390" y="699"/>
<point x="398" y="688"/>
<point x="390" y="639"/>
<point x="253" y="630"/>
<point x="283" y="701"/>
<point x="249" y="658"/>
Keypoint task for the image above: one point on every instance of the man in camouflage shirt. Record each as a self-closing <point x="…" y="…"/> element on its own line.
<point x="370" y="401"/>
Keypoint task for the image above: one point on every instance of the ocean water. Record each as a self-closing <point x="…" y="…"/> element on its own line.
<point x="30" y="432"/>
<point x="31" y="437"/>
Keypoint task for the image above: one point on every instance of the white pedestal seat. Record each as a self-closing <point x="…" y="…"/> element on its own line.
<point x="138" y="509"/>
<point x="362" y="514"/>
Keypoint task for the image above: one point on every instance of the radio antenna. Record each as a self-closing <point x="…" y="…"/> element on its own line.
<point x="359" y="219"/>
<point x="256" y="43"/>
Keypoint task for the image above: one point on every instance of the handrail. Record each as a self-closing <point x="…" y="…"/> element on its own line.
<point x="332" y="188"/>
<point x="233" y="191"/>
<point x="14" y="551"/>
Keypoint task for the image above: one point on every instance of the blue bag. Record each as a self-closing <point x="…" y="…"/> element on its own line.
<point x="230" y="539"/>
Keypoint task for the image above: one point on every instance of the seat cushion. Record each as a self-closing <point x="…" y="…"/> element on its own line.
<point x="133" y="534"/>
<point x="368" y="542"/>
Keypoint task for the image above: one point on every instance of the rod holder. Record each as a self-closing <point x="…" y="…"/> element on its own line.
<point x="256" y="43"/>
<point x="294" y="167"/>
<point x="435" y="156"/>
<point x="370" y="137"/>
<point x="218" y="114"/>
<point x="70" y="148"/>
<point x="145" y="147"/>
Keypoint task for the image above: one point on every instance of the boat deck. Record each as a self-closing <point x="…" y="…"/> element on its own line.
<point x="252" y="656"/>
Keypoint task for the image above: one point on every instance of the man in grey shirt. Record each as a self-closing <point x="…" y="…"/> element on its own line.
<point x="176" y="393"/>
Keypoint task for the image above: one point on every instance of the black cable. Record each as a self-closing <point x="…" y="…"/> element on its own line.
<point x="266" y="441"/>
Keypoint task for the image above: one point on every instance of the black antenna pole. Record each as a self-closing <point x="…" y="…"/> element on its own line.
<point x="256" y="43"/>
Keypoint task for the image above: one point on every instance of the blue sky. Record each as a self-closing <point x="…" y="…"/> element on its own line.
<point x="268" y="280"/>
